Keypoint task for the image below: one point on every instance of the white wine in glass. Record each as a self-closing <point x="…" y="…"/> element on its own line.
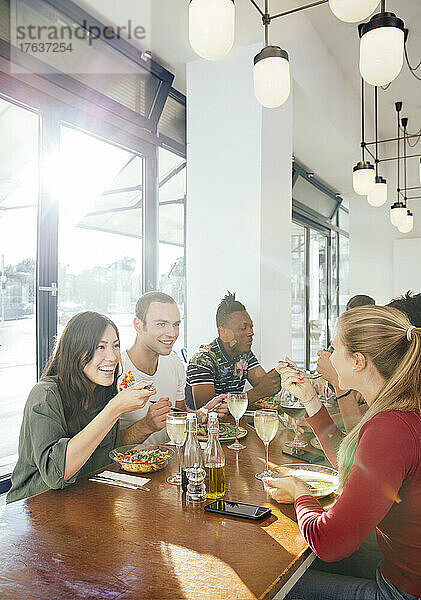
<point x="266" y="423"/>
<point x="294" y="411"/>
<point x="237" y="405"/>
<point x="177" y="432"/>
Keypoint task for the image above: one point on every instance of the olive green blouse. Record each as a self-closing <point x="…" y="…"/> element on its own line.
<point x="44" y="435"/>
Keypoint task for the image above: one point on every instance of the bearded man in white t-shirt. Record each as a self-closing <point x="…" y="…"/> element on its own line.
<point x="157" y="324"/>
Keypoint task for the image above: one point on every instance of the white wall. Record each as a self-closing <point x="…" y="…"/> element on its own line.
<point x="406" y="265"/>
<point x="239" y="203"/>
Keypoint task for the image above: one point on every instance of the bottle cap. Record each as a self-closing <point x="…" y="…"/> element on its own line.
<point x="213" y="424"/>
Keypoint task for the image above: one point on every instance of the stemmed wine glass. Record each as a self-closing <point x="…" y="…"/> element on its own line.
<point x="266" y="423"/>
<point x="237" y="405"/>
<point x="324" y="393"/>
<point x="177" y="432"/>
<point x="294" y="411"/>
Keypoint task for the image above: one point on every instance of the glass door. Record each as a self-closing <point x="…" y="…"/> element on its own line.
<point x="318" y="294"/>
<point x="298" y="294"/>
<point x="19" y="135"/>
<point x="101" y="193"/>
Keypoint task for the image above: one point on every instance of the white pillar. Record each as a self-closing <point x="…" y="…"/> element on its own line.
<point x="238" y="203"/>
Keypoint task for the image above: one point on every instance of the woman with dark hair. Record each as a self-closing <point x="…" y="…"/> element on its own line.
<point x="378" y="353"/>
<point x="70" y="421"/>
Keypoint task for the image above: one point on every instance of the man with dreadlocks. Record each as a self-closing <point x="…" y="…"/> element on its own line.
<point x="226" y="364"/>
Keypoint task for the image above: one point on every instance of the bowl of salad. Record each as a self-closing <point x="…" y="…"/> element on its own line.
<point x="136" y="459"/>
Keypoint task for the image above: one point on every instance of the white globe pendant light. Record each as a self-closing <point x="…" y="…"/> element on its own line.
<point x="377" y="196"/>
<point x="381" y="48"/>
<point x="271" y="76"/>
<point x="363" y="177"/>
<point x="211" y="27"/>
<point x="352" y="11"/>
<point x="409" y="223"/>
<point x="398" y="214"/>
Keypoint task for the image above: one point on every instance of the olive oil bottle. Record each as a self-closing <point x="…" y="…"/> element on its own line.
<point x="214" y="461"/>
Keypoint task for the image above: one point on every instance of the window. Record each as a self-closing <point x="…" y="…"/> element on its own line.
<point x="100" y="230"/>
<point x="18" y="249"/>
<point x="172" y="194"/>
<point x="320" y="265"/>
<point x="298" y="293"/>
<point x="318" y="294"/>
<point x="86" y="220"/>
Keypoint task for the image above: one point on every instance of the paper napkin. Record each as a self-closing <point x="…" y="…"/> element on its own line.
<point x="122" y="477"/>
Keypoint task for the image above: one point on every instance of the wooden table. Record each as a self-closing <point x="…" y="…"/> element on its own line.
<point x="94" y="541"/>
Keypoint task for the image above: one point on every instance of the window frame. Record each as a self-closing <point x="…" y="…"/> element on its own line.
<point x="310" y="219"/>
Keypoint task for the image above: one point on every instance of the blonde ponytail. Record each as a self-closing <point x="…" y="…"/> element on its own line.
<point x="386" y="337"/>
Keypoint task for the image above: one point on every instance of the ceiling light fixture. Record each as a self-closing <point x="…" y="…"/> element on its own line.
<point x="272" y="82"/>
<point x="352" y="11"/>
<point x="408" y="226"/>
<point x="363" y="173"/>
<point x="382" y="41"/>
<point x="377" y="196"/>
<point x="400" y="215"/>
<point x="212" y="27"/>
<point x="211" y="34"/>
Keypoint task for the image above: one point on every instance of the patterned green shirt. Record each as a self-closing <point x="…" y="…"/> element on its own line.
<point x="44" y="435"/>
<point x="212" y="364"/>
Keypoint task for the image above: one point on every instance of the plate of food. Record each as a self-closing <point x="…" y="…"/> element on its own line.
<point x="271" y="402"/>
<point x="226" y="432"/>
<point x="322" y="481"/>
<point x="142" y="460"/>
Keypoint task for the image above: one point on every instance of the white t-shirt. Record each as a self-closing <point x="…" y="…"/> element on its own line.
<point x="169" y="380"/>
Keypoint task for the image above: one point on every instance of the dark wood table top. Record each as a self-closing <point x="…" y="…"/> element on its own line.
<point x="95" y="541"/>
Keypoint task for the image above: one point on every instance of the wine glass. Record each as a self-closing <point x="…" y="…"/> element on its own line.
<point x="294" y="411"/>
<point x="237" y="405"/>
<point x="266" y="423"/>
<point x="324" y="393"/>
<point x="177" y="432"/>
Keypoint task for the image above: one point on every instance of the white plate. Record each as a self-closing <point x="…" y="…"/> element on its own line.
<point x="314" y="475"/>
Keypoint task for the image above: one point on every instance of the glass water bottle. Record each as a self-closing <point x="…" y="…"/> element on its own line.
<point x="192" y="453"/>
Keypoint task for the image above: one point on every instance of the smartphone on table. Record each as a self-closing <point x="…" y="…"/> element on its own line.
<point x="305" y="455"/>
<point x="238" y="509"/>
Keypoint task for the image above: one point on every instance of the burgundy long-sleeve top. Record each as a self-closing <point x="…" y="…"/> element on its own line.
<point x="383" y="492"/>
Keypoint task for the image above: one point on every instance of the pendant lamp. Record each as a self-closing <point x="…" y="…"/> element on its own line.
<point x="363" y="177"/>
<point x="381" y="48"/>
<point x="211" y="27"/>
<point x="398" y="214"/>
<point x="377" y="195"/>
<point x="271" y="76"/>
<point x="408" y="224"/>
<point x="352" y="11"/>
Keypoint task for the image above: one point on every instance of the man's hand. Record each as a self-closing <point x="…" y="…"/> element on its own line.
<point x="325" y="368"/>
<point x="269" y="385"/>
<point x="221" y="403"/>
<point x="156" y="417"/>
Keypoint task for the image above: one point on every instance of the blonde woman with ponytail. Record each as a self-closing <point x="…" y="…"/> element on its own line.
<point x="378" y="353"/>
